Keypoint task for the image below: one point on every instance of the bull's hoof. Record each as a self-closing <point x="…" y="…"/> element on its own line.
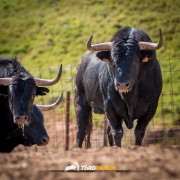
<point x="130" y="126"/>
<point x="78" y="147"/>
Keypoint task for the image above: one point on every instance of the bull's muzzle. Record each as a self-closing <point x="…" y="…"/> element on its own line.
<point x="124" y="87"/>
<point x="21" y="120"/>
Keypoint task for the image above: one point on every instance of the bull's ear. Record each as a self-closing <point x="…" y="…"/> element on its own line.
<point x="147" y="56"/>
<point x="104" y="56"/>
<point x="41" y="91"/>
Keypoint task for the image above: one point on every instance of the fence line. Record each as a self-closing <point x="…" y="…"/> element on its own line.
<point x="61" y="124"/>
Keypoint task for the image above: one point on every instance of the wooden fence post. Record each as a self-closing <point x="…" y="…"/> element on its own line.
<point x="67" y="121"/>
<point x="105" y="131"/>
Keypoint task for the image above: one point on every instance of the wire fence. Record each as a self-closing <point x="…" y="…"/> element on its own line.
<point x="164" y="128"/>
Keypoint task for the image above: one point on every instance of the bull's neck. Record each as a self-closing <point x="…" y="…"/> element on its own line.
<point x="131" y="101"/>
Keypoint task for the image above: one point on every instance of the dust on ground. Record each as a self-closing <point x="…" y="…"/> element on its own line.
<point x="152" y="162"/>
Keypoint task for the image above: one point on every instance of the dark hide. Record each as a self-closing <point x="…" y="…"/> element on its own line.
<point x="98" y="86"/>
<point x="21" y="93"/>
<point x="11" y="136"/>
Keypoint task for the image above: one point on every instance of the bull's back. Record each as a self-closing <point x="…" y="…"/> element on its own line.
<point x="88" y="80"/>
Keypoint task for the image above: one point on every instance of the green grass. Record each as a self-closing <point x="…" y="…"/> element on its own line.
<point x="45" y="33"/>
<point x="48" y="32"/>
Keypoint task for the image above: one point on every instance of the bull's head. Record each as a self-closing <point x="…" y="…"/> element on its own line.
<point x="125" y="58"/>
<point x="35" y="132"/>
<point x="22" y="89"/>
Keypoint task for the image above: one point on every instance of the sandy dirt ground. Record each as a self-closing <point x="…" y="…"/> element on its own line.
<point x="152" y="162"/>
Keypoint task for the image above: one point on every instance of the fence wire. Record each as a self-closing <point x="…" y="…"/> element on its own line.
<point x="164" y="128"/>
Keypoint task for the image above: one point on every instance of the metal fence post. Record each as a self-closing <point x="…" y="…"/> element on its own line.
<point x="105" y="131"/>
<point x="67" y="121"/>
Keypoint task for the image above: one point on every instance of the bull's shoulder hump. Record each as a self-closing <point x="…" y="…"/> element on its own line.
<point x="88" y="61"/>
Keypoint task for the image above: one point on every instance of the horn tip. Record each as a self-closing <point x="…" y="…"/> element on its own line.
<point x="60" y="67"/>
<point x="88" y="44"/>
<point x="61" y="96"/>
<point x="59" y="99"/>
<point x="161" y="37"/>
<point x="90" y="38"/>
<point x="60" y="70"/>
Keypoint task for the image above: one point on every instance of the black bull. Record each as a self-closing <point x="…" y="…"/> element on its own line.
<point x="20" y="88"/>
<point x="17" y="111"/>
<point x="121" y="79"/>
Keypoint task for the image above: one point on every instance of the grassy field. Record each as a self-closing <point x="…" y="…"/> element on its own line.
<point x="48" y="32"/>
<point x="45" y="33"/>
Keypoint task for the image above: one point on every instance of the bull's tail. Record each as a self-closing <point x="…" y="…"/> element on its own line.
<point x="88" y="133"/>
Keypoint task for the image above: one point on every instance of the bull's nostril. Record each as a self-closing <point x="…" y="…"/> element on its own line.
<point x="118" y="84"/>
<point x="26" y="117"/>
<point x="17" y="117"/>
<point x="45" y="140"/>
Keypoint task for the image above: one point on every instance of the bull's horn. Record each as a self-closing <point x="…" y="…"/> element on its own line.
<point x="150" y="45"/>
<point x="5" y="81"/>
<point x="47" y="82"/>
<point x="51" y="106"/>
<point x="98" y="47"/>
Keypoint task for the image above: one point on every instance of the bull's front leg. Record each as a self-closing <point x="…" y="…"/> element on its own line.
<point x="115" y="124"/>
<point x="143" y="122"/>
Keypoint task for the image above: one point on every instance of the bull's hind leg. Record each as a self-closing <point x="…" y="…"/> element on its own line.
<point x="84" y="119"/>
<point x="110" y="137"/>
<point x="88" y="133"/>
<point x="142" y="124"/>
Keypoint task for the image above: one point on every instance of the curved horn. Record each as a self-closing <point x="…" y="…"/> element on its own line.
<point x="51" y="106"/>
<point x="150" y="45"/>
<point x="47" y="82"/>
<point x="5" y="81"/>
<point x="98" y="47"/>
